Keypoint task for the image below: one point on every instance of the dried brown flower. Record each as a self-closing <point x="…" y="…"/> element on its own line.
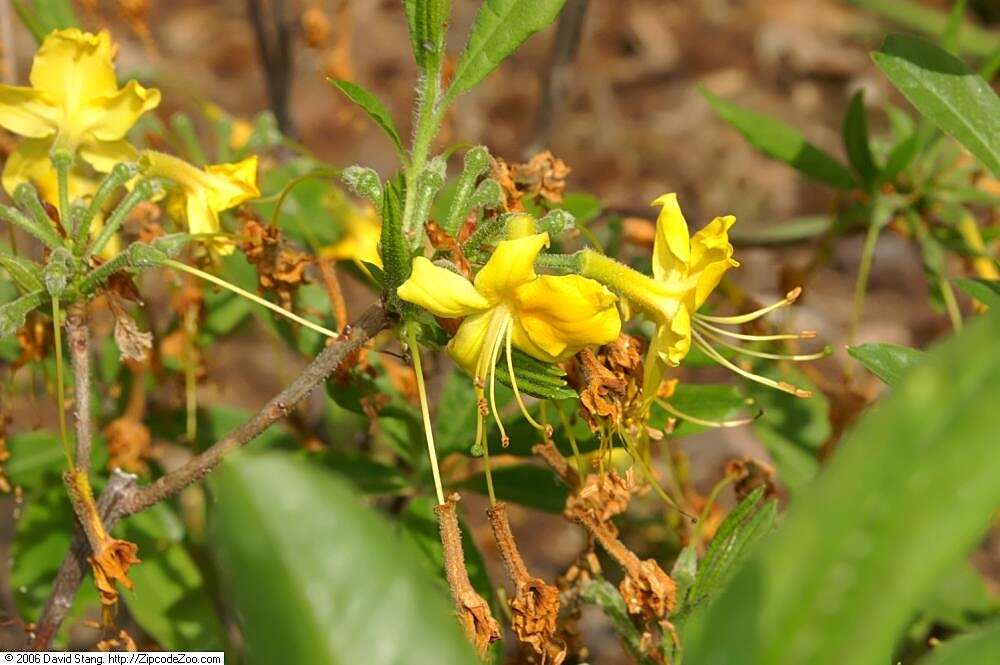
<point x="542" y="178"/>
<point x="128" y="445"/>
<point x="473" y="610"/>
<point x="748" y="474"/>
<point x="606" y="382"/>
<point x="110" y="565"/>
<point x="535" y="605"/>
<point x="315" y="26"/>
<point x="133" y="344"/>
<point x="648" y="591"/>
<point x="601" y="497"/>
<point x="280" y="269"/>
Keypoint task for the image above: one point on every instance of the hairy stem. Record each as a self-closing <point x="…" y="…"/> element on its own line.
<point x="78" y="339"/>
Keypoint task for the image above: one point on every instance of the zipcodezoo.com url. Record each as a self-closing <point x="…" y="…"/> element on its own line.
<point x="124" y="658"/>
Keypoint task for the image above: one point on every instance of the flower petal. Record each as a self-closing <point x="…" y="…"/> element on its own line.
<point x="467" y="346"/>
<point x="673" y="337"/>
<point x="24" y="111"/>
<point x="201" y="218"/>
<point x="30" y="163"/>
<point x="556" y="316"/>
<point x="232" y="184"/>
<point x="103" y="155"/>
<point x="72" y="67"/>
<point x="110" y="118"/>
<point x="671" y="248"/>
<point x="440" y="291"/>
<point x="512" y="264"/>
<point x="711" y="257"/>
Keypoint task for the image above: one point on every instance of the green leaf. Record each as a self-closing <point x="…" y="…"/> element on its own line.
<point x="393" y="248"/>
<point x="855" y="133"/>
<point x="373" y="107"/>
<point x="455" y="423"/>
<point x="366" y="474"/>
<point x="888" y="362"/>
<point x="979" y="648"/>
<point x="170" y="599"/>
<point x="782" y="142"/>
<point x="315" y="577"/>
<point x="745" y="525"/>
<point x="428" y="23"/>
<point x="501" y="26"/>
<point x="794" y="230"/>
<point x="984" y="290"/>
<point x="41" y="17"/>
<point x="906" y="495"/>
<point x="947" y="92"/>
<point x="960" y="600"/>
<point x="949" y="39"/>
<point x="900" y="156"/>
<point x="525" y="484"/>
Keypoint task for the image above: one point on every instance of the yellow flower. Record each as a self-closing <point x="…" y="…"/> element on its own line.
<point x="74" y="103"/>
<point x="362" y="231"/>
<point x="197" y="196"/>
<point x="686" y="269"/>
<point x="548" y="317"/>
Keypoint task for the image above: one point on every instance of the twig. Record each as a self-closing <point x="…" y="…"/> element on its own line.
<point x="78" y="340"/>
<point x="121" y="499"/>
<point x="276" y="56"/>
<point x="558" y="74"/>
<point x="120" y="486"/>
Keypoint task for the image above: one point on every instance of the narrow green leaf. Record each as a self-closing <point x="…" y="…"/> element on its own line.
<point x="916" y="15"/>
<point x="984" y="290"/>
<point x="855" y="134"/>
<point x="889" y="362"/>
<point x="907" y="494"/>
<point x="746" y="524"/>
<point x="979" y="648"/>
<point x="428" y="22"/>
<point x="393" y="248"/>
<point x="960" y="600"/>
<point x="793" y="230"/>
<point x="900" y="156"/>
<point x="373" y="107"/>
<point x="949" y="39"/>
<point x="315" y="577"/>
<point x="947" y="92"/>
<point x="501" y="26"/>
<point x="782" y="142"/>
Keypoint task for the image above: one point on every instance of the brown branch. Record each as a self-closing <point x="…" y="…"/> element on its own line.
<point x="78" y="340"/>
<point x="119" y="499"/>
<point x="558" y="74"/>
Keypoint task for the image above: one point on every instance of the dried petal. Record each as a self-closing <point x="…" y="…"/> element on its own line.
<point x="132" y="342"/>
<point x="111" y="565"/>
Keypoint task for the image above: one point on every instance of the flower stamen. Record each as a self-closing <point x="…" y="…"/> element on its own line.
<point x="789" y="298"/>
<point x="763" y="354"/>
<point x="739" y="422"/>
<point x="804" y="334"/>
<point x="763" y="380"/>
<point x="513" y="380"/>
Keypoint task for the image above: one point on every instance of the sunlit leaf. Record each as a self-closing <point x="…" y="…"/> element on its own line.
<point x="373" y="107"/>
<point x="888" y="362"/>
<point x="946" y="91"/>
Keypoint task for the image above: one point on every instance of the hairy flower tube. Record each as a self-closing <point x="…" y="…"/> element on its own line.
<point x="686" y="269"/>
<point x="508" y="305"/>
<point x="74" y="105"/>
<point x="197" y="196"/>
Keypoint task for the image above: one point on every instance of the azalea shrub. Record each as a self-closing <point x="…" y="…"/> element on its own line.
<point x="515" y="352"/>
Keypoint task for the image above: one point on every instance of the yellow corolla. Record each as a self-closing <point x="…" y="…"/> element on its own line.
<point x="197" y="196"/>
<point x="74" y="104"/>
<point x="508" y="304"/>
<point x="362" y="231"/>
<point x="686" y="269"/>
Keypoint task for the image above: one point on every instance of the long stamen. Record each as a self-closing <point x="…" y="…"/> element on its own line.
<point x="513" y="379"/>
<point x="717" y="357"/>
<point x="418" y="370"/>
<point x="805" y="334"/>
<point x="669" y="408"/>
<point x="791" y="297"/>
<point x="798" y="357"/>
<point x="494" y="356"/>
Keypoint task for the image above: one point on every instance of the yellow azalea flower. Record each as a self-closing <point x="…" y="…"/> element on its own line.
<point x="548" y="317"/>
<point x="686" y="269"/>
<point x="197" y="196"/>
<point x="74" y="103"/>
<point x="362" y="231"/>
